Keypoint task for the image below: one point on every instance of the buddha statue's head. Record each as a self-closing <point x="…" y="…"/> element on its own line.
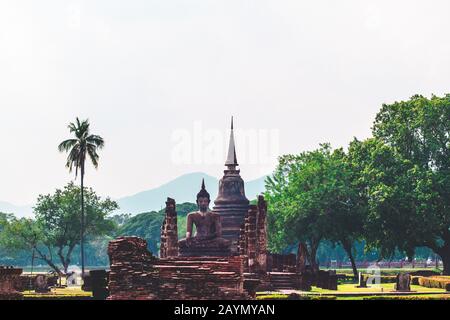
<point x="203" y="198"/>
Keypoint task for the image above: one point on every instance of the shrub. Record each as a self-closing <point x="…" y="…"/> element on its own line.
<point x="441" y="282"/>
<point x="412" y="297"/>
<point x="383" y="279"/>
<point x="425" y="273"/>
<point x="276" y="296"/>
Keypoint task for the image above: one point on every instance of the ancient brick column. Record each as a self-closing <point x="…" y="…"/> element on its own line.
<point x="243" y="248"/>
<point x="252" y="242"/>
<point x="163" y="242"/>
<point x="242" y="237"/>
<point x="169" y="231"/>
<point x="261" y="234"/>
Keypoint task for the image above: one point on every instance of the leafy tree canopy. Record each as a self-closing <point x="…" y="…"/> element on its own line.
<point x="56" y="228"/>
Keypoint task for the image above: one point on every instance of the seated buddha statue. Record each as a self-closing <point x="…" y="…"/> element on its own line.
<point x="207" y="240"/>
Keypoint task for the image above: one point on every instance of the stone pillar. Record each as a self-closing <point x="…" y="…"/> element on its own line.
<point x="261" y="233"/>
<point x="252" y="242"/>
<point x="403" y="282"/>
<point x="169" y="231"/>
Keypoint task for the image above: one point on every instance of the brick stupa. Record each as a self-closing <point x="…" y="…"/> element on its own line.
<point x="231" y="203"/>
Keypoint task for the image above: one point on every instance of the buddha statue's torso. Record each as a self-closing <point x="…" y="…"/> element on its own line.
<point x="207" y="240"/>
<point x="206" y="224"/>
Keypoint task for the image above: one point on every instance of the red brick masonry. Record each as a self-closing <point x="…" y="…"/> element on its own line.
<point x="137" y="275"/>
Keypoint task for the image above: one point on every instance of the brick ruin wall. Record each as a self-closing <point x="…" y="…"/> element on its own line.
<point x="137" y="275"/>
<point x="9" y="281"/>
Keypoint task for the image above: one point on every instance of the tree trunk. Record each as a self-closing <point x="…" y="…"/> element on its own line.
<point x="65" y="260"/>
<point x="348" y="249"/>
<point x="446" y="260"/>
<point x="61" y="258"/>
<point x="312" y="256"/>
<point x="48" y="261"/>
<point x="444" y="253"/>
<point x="68" y="257"/>
<point x="82" y="220"/>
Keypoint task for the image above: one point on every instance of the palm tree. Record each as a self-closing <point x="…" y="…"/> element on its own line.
<point x="83" y="145"/>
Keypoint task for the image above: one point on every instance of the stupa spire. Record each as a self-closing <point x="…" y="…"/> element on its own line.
<point x="231" y="162"/>
<point x="231" y="203"/>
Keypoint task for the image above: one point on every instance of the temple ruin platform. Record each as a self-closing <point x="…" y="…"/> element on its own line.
<point x="137" y="274"/>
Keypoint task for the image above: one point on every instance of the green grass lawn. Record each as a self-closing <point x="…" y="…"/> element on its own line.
<point x="384" y="271"/>
<point x="60" y="293"/>
<point x="323" y="294"/>
<point x="384" y="287"/>
<point x="314" y="294"/>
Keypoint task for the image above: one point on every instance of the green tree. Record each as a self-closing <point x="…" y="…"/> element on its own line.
<point x="84" y="145"/>
<point x="4" y="219"/>
<point x="55" y="232"/>
<point x="27" y="235"/>
<point x="388" y="190"/>
<point x="406" y="170"/>
<point x="311" y="198"/>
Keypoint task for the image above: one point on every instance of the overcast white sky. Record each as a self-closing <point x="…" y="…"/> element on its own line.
<point x="141" y="71"/>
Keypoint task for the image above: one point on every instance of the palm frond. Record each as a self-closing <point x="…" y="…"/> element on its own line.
<point x="66" y="145"/>
<point x="73" y="158"/>
<point x="91" y="150"/>
<point x="97" y="141"/>
<point x="83" y="145"/>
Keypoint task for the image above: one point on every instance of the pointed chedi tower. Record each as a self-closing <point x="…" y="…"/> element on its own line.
<point x="231" y="203"/>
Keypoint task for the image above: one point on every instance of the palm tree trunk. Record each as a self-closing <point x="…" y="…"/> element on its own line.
<point x="82" y="220"/>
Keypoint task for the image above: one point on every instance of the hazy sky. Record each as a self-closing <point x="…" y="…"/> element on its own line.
<point x="151" y="75"/>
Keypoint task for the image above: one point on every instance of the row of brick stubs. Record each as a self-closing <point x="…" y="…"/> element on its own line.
<point x="169" y="231"/>
<point x="137" y="275"/>
<point x="9" y="280"/>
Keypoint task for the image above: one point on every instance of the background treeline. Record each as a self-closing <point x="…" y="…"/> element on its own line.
<point x="386" y="197"/>
<point x="391" y="191"/>
<point x="46" y="237"/>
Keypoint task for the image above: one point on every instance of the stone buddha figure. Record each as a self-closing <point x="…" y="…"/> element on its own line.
<point x="207" y="240"/>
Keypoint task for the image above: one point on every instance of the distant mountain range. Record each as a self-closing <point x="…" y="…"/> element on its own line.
<point x="182" y="189"/>
<point x="18" y="211"/>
